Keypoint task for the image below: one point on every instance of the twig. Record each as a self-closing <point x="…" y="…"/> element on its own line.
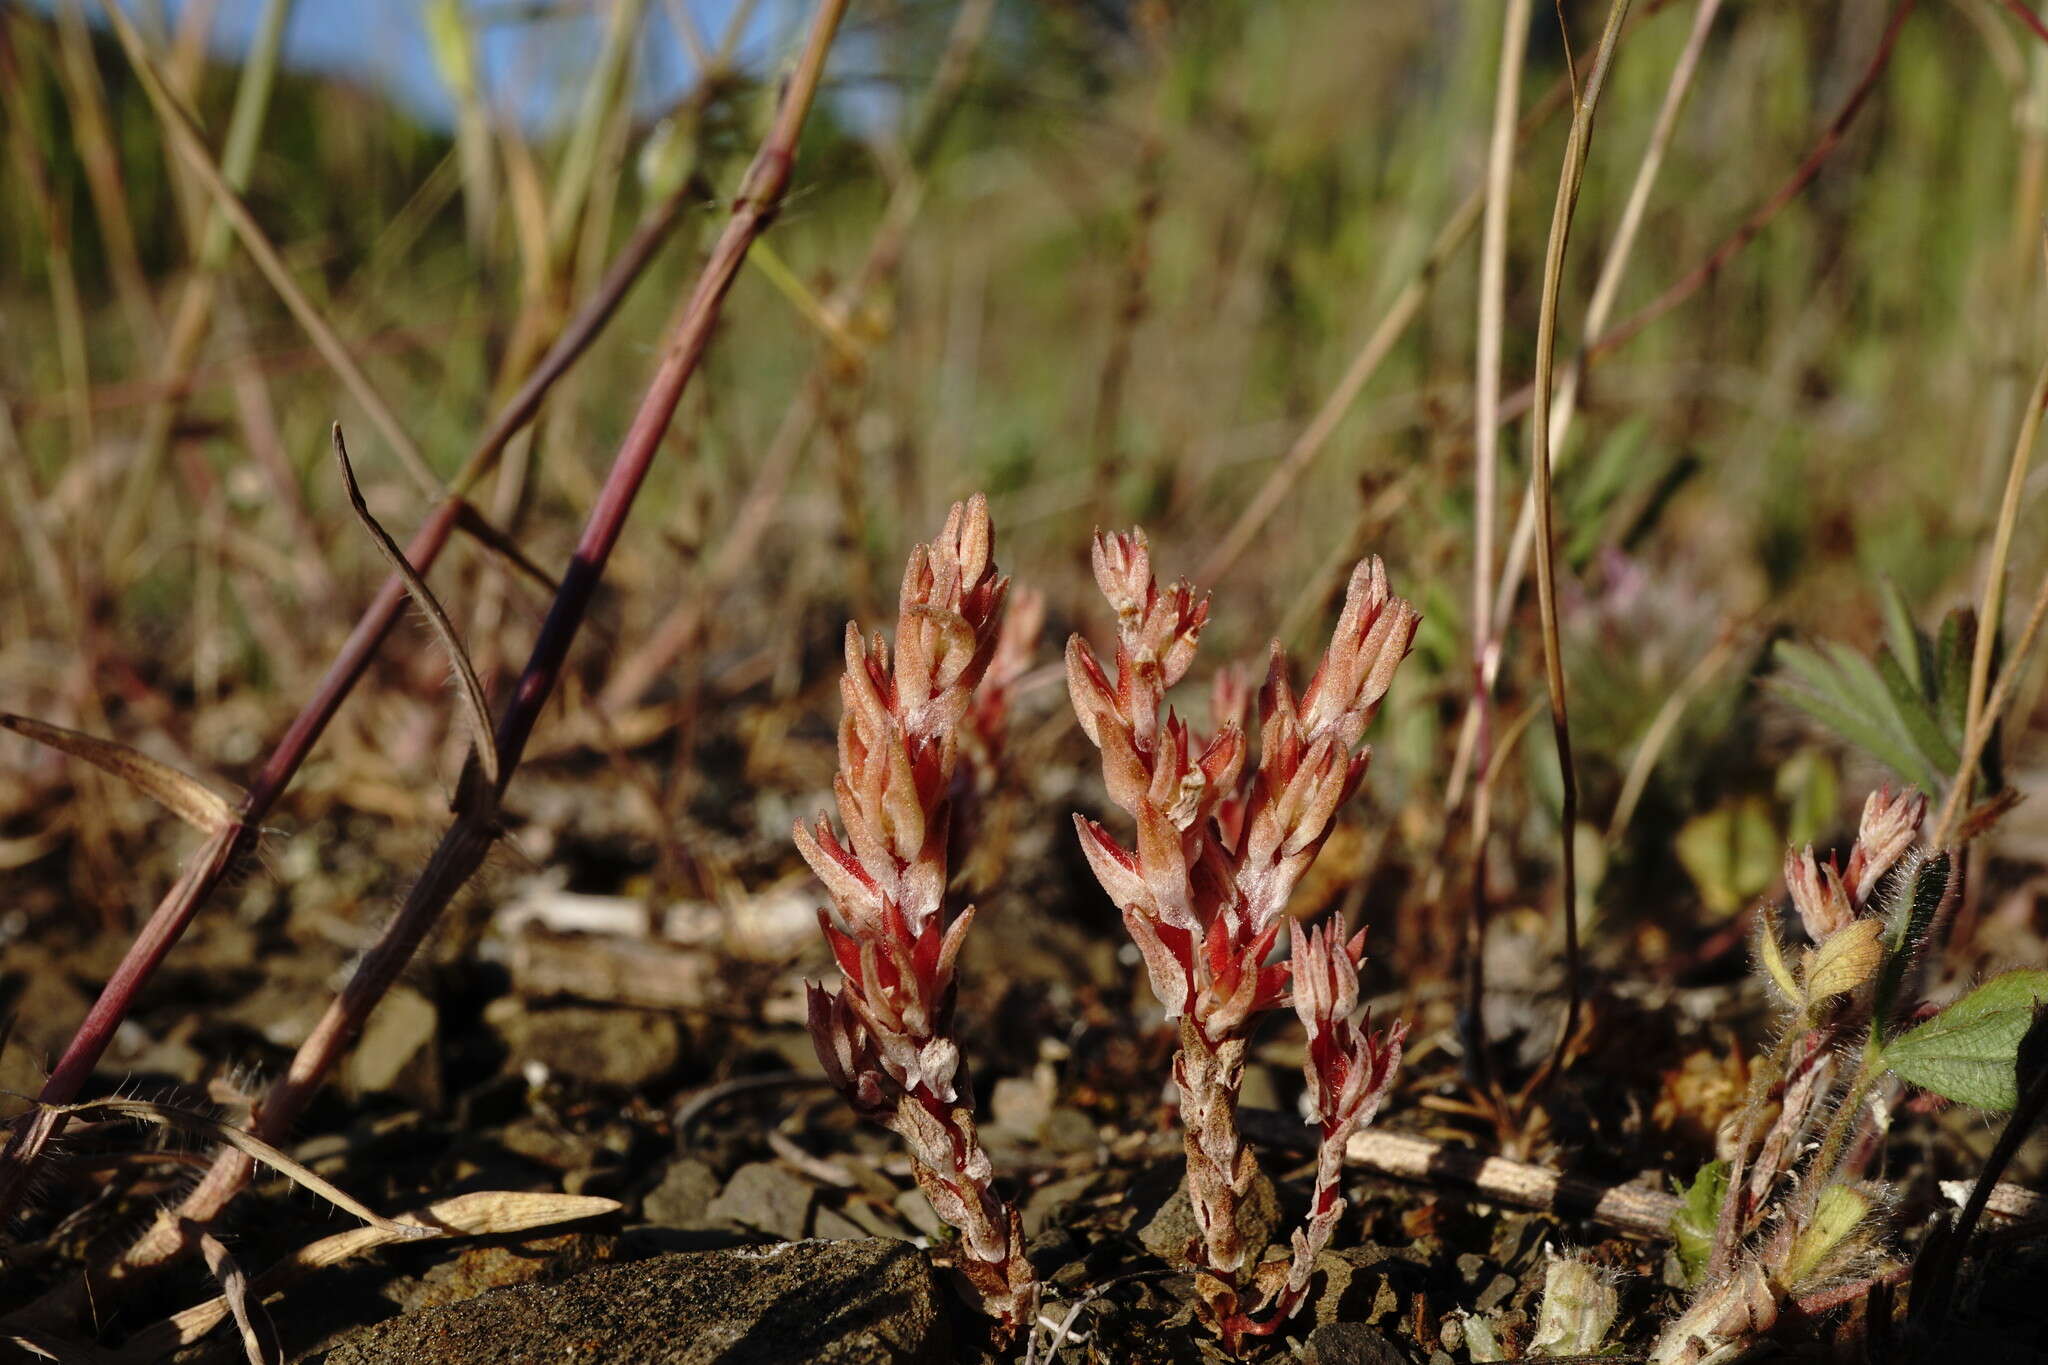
<point x="1640" y="1210"/>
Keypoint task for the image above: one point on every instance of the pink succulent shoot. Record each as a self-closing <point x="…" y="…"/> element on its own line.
<point x="1218" y="853"/>
<point x="885" y="1035"/>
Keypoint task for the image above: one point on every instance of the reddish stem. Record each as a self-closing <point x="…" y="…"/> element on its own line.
<point x="174" y="912"/>
<point x="469" y="838"/>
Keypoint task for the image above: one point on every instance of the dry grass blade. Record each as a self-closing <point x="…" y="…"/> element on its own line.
<point x="184" y="132"/>
<point x="1661" y="727"/>
<point x="1953" y="826"/>
<point x="474" y="704"/>
<point x="1606" y="289"/>
<point x="487" y="1213"/>
<point x="170" y="1116"/>
<point x="41" y="1346"/>
<point x="179" y="127"/>
<point x="1493" y="255"/>
<point x="259" y="1336"/>
<point x="184" y="795"/>
<point x="473" y="521"/>
<point x="1991" y="609"/>
<point x="1393" y="323"/>
<point x="1568" y="182"/>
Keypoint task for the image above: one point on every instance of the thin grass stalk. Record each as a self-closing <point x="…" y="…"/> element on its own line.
<point x="211" y="863"/>
<point x="67" y="312"/>
<point x="1568" y="182"/>
<point x="1493" y="283"/>
<point x="184" y="132"/>
<point x="192" y="315"/>
<point x="678" y="630"/>
<point x="92" y="133"/>
<point x="1677" y="293"/>
<point x="1105" y="443"/>
<point x="601" y="98"/>
<point x="455" y="56"/>
<point x="257" y="416"/>
<point x="18" y="490"/>
<point x="469" y="838"/>
<point x="1606" y="289"/>
<point x="1493" y="269"/>
<point x="1378" y="345"/>
<point x="1690" y="283"/>
<point x="1950" y="824"/>
<point x="1660" y="729"/>
<point x="1991" y="607"/>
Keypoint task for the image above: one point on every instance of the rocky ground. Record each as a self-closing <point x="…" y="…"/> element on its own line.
<point x="578" y="1030"/>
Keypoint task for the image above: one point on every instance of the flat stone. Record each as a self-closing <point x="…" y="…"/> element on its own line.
<point x="1020" y="1105"/>
<point x="1350" y="1343"/>
<point x="763" y="1197"/>
<point x="1170" y="1230"/>
<point x="687" y="1187"/>
<point x="398" y="1051"/>
<point x="1359" y="1284"/>
<point x="795" y="1303"/>
<point x="1068" y="1130"/>
<point x="622" y="1049"/>
<point x="1047" y="1200"/>
<point x="480" y="1269"/>
<point x="547" y="1143"/>
<point x="1496" y="1293"/>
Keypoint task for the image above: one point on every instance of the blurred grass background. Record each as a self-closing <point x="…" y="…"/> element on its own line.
<point x="1134" y="262"/>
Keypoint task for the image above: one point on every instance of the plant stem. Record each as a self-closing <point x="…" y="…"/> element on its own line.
<point x="474" y="830"/>
<point x="1990" y="611"/>
<point x="213" y="861"/>
<point x="1568" y="182"/>
<point x="1493" y="255"/>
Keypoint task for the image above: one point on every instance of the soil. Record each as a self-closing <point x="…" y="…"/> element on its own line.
<point x="757" y="1220"/>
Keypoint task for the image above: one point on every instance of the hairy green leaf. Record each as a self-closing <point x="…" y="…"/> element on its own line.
<point x="1952" y="670"/>
<point x="1922" y="726"/>
<point x="1834" y="706"/>
<point x="1968" y="1052"/>
<point x="1902" y="637"/>
<point x="1907" y="928"/>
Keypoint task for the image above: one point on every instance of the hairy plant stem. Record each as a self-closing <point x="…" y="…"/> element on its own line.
<point x="1209" y="1073"/>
